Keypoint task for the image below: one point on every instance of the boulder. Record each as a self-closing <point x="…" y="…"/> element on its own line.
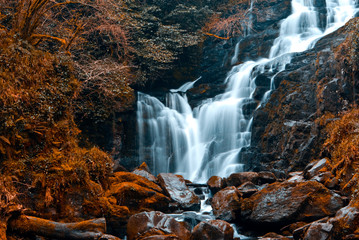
<point x="282" y="203"/>
<point x="237" y="179"/>
<point x="175" y="187"/>
<point x="138" y="198"/>
<point x="215" y="184"/>
<point x="226" y="204"/>
<point x="120" y="177"/>
<point x="213" y="230"/>
<point x="155" y="225"/>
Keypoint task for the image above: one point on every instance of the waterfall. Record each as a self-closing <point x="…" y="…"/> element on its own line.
<point x="206" y="141"/>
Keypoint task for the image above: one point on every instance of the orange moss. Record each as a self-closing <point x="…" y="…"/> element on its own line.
<point x="38" y="136"/>
<point x="138" y="198"/>
<point x="343" y="145"/>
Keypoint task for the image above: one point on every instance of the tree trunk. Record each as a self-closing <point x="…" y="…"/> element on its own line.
<point x="87" y="230"/>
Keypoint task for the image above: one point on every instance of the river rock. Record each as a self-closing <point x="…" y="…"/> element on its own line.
<point x="237" y="179"/>
<point x="283" y="203"/>
<point x="147" y="225"/>
<point x="215" y="184"/>
<point x="175" y="187"/>
<point x="226" y="204"/>
<point x="213" y="230"/>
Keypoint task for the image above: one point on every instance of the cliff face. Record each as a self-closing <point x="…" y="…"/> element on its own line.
<point x="288" y="132"/>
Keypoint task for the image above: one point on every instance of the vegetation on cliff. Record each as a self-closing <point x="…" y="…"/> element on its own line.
<point x="67" y="67"/>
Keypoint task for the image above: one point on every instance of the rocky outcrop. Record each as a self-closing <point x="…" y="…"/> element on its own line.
<point x="287" y="132"/>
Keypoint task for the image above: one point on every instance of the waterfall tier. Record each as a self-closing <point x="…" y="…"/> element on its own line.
<point x="207" y="140"/>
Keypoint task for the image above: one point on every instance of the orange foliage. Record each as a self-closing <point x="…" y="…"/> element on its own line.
<point x="343" y="145"/>
<point x="38" y="136"/>
<point x="231" y="23"/>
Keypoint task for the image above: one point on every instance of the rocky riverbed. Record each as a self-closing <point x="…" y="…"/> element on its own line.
<point x="309" y="204"/>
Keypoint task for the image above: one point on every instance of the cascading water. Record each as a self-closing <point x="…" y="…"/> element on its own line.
<point x="207" y="140"/>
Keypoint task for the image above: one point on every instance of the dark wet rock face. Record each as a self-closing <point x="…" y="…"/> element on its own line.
<point x="286" y="131"/>
<point x="176" y="188"/>
<point x="282" y="203"/>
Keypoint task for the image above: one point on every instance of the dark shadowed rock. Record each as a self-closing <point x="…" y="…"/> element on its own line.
<point x="175" y="187"/>
<point x="320" y="231"/>
<point x="237" y="179"/>
<point x="289" y="229"/>
<point x="215" y="184"/>
<point x="300" y="232"/>
<point x="226" y="204"/>
<point x="274" y="236"/>
<point x="161" y="237"/>
<point x="247" y="189"/>
<point x="266" y="177"/>
<point x="283" y="203"/>
<point x="213" y="230"/>
<point x="149" y="224"/>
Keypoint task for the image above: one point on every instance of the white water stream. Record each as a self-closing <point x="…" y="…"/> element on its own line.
<point x="206" y="141"/>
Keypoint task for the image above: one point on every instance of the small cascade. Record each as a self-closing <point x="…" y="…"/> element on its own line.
<point x="206" y="141"/>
